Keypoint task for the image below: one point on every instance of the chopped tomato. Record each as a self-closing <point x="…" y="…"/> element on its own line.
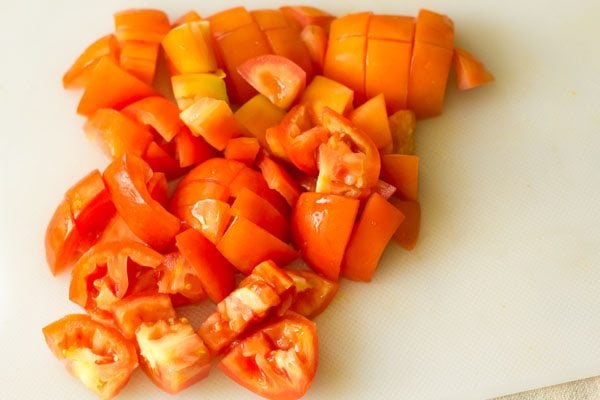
<point x="349" y="162"/>
<point x="117" y="230"/>
<point x="160" y="160"/>
<point x="243" y="149"/>
<point x="213" y="270"/>
<point x="276" y="77"/>
<point x="321" y="227"/>
<point x="133" y="311"/>
<point x="99" y="356"/>
<point x="279" y="361"/>
<point x="126" y="179"/>
<point x="313" y="293"/>
<point x="257" y="115"/>
<point x="79" y="73"/>
<point x="141" y="24"/>
<point x="302" y="16"/>
<point x="323" y="92"/>
<point x="402" y="171"/>
<point x="187" y="17"/>
<point x="188" y="48"/>
<point x="172" y="354"/>
<point x="78" y="221"/>
<point x="279" y="180"/>
<point x="101" y="276"/>
<point x="315" y="40"/>
<point x="157" y="112"/>
<point x="470" y="72"/>
<point x="372" y="118"/>
<point x="187" y="88"/>
<point x="191" y="150"/>
<point x="179" y="279"/>
<point x="408" y="231"/>
<point x="402" y="126"/>
<point x="256" y="209"/>
<point x="249" y="304"/>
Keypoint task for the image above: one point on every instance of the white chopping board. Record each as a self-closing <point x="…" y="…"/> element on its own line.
<point x="502" y="293"/>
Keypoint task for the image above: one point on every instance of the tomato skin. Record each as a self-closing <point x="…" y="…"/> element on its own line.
<point x="133" y="311"/>
<point x="321" y="228"/>
<point x="101" y="276"/>
<point x="126" y="179"/>
<point x="172" y="354"/>
<point x="279" y="361"/>
<point x="97" y="355"/>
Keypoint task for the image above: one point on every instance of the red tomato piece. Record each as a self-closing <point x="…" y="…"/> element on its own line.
<point x="279" y="361"/>
<point x="126" y="179"/>
<point x="323" y="92"/>
<point x="402" y="171"/>
<point x="313" y="293"/>
<point x="172" y="354"/>
<point x="158" y="189"/>
<point x="101" y="276"/>
<point x="191" y="150"/>
<point x="99" y="356"/>
<point x="470" y="72"/>
<point x="371" y="117"/>
<point x="243" y="149"/>
<point x="215" y="169"/>
<point x="276" y="77"/>
<point x="349" y="163"/>
<point x="78" y="221"/>
<point x="139" y="58"/>
<point x="188" y="48"/>
<point x="179" y="279"/>
<point x="213" y="270"/>
<point x="249" y="304"/>
<point x="374" y="229"/>
<point x="321" y="228"/>
<point x="246" y="244"/>
<point x="210" y="217"/>
<point x="256" y="209"/>
<point x="189" y="193"/>
<point x="315" y="40"/>
<point x="117" y="231"/>
<point x="286" y="42"/>
<point x="408" y="232"/>
<point x="133" y="311"/>
<point x="279" y="180"/>
<point x="161" y="161"/>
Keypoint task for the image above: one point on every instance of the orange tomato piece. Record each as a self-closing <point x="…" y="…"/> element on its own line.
<point x="408" y="231"/>
<point x="435" y="29"/>
<point x="188" y="193"/>
<point x="256" y="209"/>
<point x="211" y="217"/>
<point x="139" y="59"/>
<point x="213" y="120"/>
<point x="145" y="25"/>
<point x="269" y="19"/>
<point x="377" y="223"/>
<point x="117" y="231"/>
<point x="243" y="149"/>
<point x="315" y="40"/>
<point x="302" y="16"/>
<point x="188" y="88"/>
<point x="229" y="20"/>
<point x="391" y="27"/>
<point x="244" y="254"/>
<point x="345" y="62"/>
<point x="402" y="171"/>
<point x="286" y="42"/>
<point x="79" y="73"/>
<point x="188" y="48"/>
<point x="215" y="169"/>
<point x="109" y="86"/>
<point x="235" y="48"/>
<point x="324" y="92"/>
<point x="116" y="134"/>
<point x="189" y="16"/>
<point x="470" y="72"/>
<point x="372" y="118"/>
<point x="402" y="126"/>
<point x="321" y="228"/>
<point x="133" y="311"/>
<point x="161" y="161"/>
<point x="257" y="115"/>
<point x="313" y="293"/>
<point x="157" y="112"/>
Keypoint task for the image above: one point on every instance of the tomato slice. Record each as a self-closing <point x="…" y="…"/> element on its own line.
<point x="277" y="362"/>
<point x="249" y="304"/>
<point x="250" y="205"/>
<point x="179" y="279"/>
<point x="99" y="356"/>
<point x="127" y="179"/>
<point x="349" y="162"/>
<point x="116" y="231"/>
<point x="279" y="180"/>
<point x="313" y="293"/>
<point x="157" y="112"/>
<point x="470" y="72"/>
<point x="172" y="354"/>
<point x="132" y="311"/>
<point x="276" y="77"/>
<point x="79" y="73"/>
<point x="213" y="270"/>
<point x="101" y="276"/>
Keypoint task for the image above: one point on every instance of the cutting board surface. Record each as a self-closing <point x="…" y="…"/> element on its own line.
<point x="503" y="291"/>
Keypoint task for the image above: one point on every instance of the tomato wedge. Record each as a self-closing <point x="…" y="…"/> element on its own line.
<point x="172" y="354"/>
<point x="276" y="77"/>
<point x="279" y="361"/>
<point x="133" y="311"/>
<point x="79" y="73"/>
<point x="313" y="293"/>
<point x="179" y="279"/>
<point x="470" y="72"/>
<point x="99" y="356"/>
<point x="126" y="179"/>
<point x="101" y="276"/>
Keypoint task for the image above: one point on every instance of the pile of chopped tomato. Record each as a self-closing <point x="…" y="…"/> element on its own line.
<point x="291" y="136"/>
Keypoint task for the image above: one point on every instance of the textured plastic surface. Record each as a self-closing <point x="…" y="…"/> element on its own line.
<point x="502" y="292"/>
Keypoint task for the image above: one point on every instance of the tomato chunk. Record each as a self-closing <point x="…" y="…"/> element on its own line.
<point x="178" y="278"/>
<point x="313" y="293"/>
<point x="99" y="356"/>
<point x="79" y="73"/>
<point x="470" y="72"/>
<point x="133" y="311"/>
<point x="172" y="354"/>
<point x="279" y="361"/>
